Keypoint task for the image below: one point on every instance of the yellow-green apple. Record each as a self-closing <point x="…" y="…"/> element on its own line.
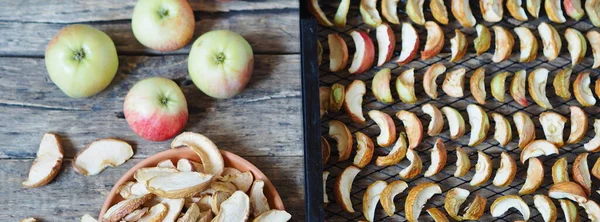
<point x="155" y="109"/>
<point x="81" y="60"/>
<point x="221" y="63"/>
<point x="164" y="25"/>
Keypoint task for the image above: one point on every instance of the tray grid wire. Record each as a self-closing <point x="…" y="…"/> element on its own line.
<point x="470" y="62"/>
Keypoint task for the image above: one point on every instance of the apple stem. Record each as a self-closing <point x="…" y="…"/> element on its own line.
<point x="220" y="58"/>
<point x="79" y="55"/>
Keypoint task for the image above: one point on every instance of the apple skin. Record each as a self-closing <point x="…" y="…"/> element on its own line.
<point x="163" y="25"/>
<point x="156" y="109"/>
<point x="97" y="65"/>
<point x="221" y="63"/>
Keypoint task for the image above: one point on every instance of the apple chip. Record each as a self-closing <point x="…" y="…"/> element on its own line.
<point x="413" y="127"/>
<point x="491" y="10"/>
<point x="507" y="171"/>
<point x="337" y="97"/>
<point x="273" y="216"/>
<point x="324" y="94"/>
<point x="410" y="44"/>
<point x="396" y="154"/>
<point x="258" y="201"/>
<point x="405" y="86"/>
<point x="342" y="187"/>
<point x="570" y="210"/>
<point x="535" y="176"/>
<point x="216" y="200"/>
<point x="101" y="154"/>
<point x="417" y="197"/>
<point x="235" y="208"/>
<point x="341" y="134"/>
<point x="242" y="181"/>
<point x="339" y="20"/>
<point x="476" y="208"/>
<point x="579" y="124"/>
<point x="415" y="166"/>
<point x="369" y="13"/>
<point x="483" y="41"/>
<point x="537" y="87"/>
<point x="144" y="174"/>
<point x="156" y="213"/>
<point x="185" y="165"/>
<point x="498" y="84"/>
<point x="326" y="149"/>
<point x="480" y="124"/>
<point x="121" y="209"/>
<point x="437" y="215"/>
<point x="325" y="197"/>
<point x="166" y="164"/>
<point x="576" y="45"/>
<point x="545" y="206"/>
<point x="192" y="214"/>
<point x="454" y="83"/>
<point x="592" y="8"/>
<point x="438" y="158"/>
<point x="538" y="148"/>
<point x="174" y="207"/>
<point x="525" y="128"/>
<point x="568" y="190"/>
<point x="528" y="44"/>
<point x="516" y="10"/>
<point x="439" y="11"/>
<point x="592" y="209"/>
<point x="463" y="163"/>
<point x="533" y="7"/>
<point x="316" y="10"/>
<point x="139" y="189"/>
<point x="389" y="10"/>
<point x="462" y="12"/>
<point x="429" y="84"/>
<point x="458" y="44"/>
<point x="435" y="40"/>
<point x="502" y="129"/>
<point x="179" y="185"/>
<point x="364" y="150"/>
<point x="338" y="52"/>
<point x="456" y="122"/>
<point x="387" y="128"/>
<point x="582" y="91"/>
<point x="454" y="198"/>
<point x="559" y="171"/>
<point x="596" y="169"/>
<point x="554" y="11"/>
<point x="553" y="125"/>
<point x="483" y="169"/>
<point x="208" y="152"/>
<point x="504" y="203"/>
<point x="414" y="10"/>
<point x="504" y="44"/>
<point x="364" y="54"/>
<point x="573" y="9"/>
<point x="353" y="101"/>
<point x="477" y="85"/>
<point x="389" y="192"/>
<point x="562" y="84"/>
<point x="206" y="216"/>
<point x="581" y="173"/>
<point x="371" y="198"/>
<point x="437" y="121"/>
<point x="550" y="40"/>
<point x="517" y="88"/>
<point x="593" y="37"/>
<point x="125" y="189"/>
<point x="47" y="162"/>
<point x="386" y="43"/>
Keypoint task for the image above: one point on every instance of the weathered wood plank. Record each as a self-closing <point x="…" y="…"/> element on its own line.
<point x="57" y="11"/>
<point x="72" y="195"/>
<point x="273" y="32"/>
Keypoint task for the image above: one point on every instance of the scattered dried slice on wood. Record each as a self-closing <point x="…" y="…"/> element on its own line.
<point x="273" y="216"/>
<point x="47" y="162"/>
<point x="525" y="129"/>
<point x="397" y="153"/>
<point x="381" y="86"/>
<point x="341" y="134"/>
<point x="258" y="201"/>
<point x="413" y="127"/>
<point x="429" y="78"/>
<point x="545" y="206"/>
<point x="454" y="83"/>
<point x="581" y="173"/>
<point x="454" y="198"/>
<point x="216" y="200"/>
<point x="364" y="150"/>
<point x="476" y="208"/>
<point x="371" y="198"/>
<point x="507" y="171"/>
<point x="483" y="169"/>
<point x="179" y="185"/>
<point x="101" y="154"/>
<point x="316" y="10"/>
<point x="326" y="149"/>
<point x="594" y="144"/>
<point x="568" y="190"/>
<point x="388" y="194"/>
<point x="121" y="209"/>
<point x="387" y="128"/>
<point x="136" y="214"/>
<point x="553" y="125"/>
<point x="559" y="171"/>
<point x="353" y="101"/>
<point x="438" y="158"/>
<point x="436" y="125"/>
<point x="504" y="203"/>
<point x="415" y="167"/>
<point x="570" y="210"/>
<point x="208" y="152"/>
<point x="235" y="208"/>
<point x="562" y="82"/>
<point x="463" y="163"/>
<point x="342" y="187"/>
<point x="417" y="197"/>
<point x="456" y="123"/>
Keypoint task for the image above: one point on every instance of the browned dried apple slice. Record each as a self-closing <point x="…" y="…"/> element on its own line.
<point x="101" y="154"/>
<point x="343" y="184"/>
<point x="156" y="213"/>
<point x="576" y="45"/>
<point x="315" y="9"/>
<point x="462" y="12"/>
<point x="414" y="10"/>
<point x="463" y="163"/>
<point x="570" y="210"/>
<point x="545" y="206"/>
<point x="324" y="94"/>
<point x="596" y="169"/>
<point x="47" y="162"/>
<point x="364" y="150"/>
<point x="458" y="45"/>
<point x="559" y="171"/>
<point x="592" y="209"/>
<point x="338" y="93"/>
<point x="435" y="40"/>
<point x="568" y="190"/>
<point x="387" y="129"/>
<point x="592" y="8"/>
<point x="413" y="127"/>
<point x="477" y="85"/>
<point x="386" y="43"/>
<point x="381" y="86"/>
<point x="388" y="194"/>
<point x="438" y="158"/>
<point x="573" y="9"/>
<point x="325" y="197"/>
<point x="415" y="166"/>
<point x="340" y="15"/>
<point x="554" y="11"/>
<point x="562" y="82"/>
<point x="480" y="124"/>
<point x="179" y="185"/>
<point x="483" y="169"/>
<point x="429" y="84"/>
<point x="405" y="86"/>
<point x="516" y="10"/>
<point x="533" y="7"/>
<point x="454" y="83"/>
<point x="341" y="134"/>
<point x="353" y="101"/>
<point x="593" y="37"/>
<point x="550" y="40"/>
<point x="525" y="128"/>
<point x="218" y="198"/>
<point x="389" y="10"/>
<point x="535" y="176"/>
<point x="235" y="208"/>
<point x="437" y="215"/>
<point x="137" y="214"/>
<point x="207" y="151"/>
<point x="507" y="171"/>
<point x="491" y="10"/>
<point x="326" y="149"/>
<point x="396" y="154"/>
<point x="369" y="13"/>
<point x="258" y="200"/>
<point x="579" y="124"/>
<point x="504" y="44"/>
<point x="456" y="123"/>
<point x="537" y="87"/>
<point x="454" y="198"/>
<point x="502" y="130"/>
<point x="497" y="85"/>
<point x="504" y="203"/>
<point x="553" y="125"/>
<point x="517" y="88"/>
<point x="242" y="181"/>
<point x="597" y="87"/>
<point x="538" y="148"/>
<point x="439" y="11"/>
<point x="476" y="208"/>
<point x="417" y="197"/>
<point x="273" y="215"/>
<point x="582" y="90"/>
<point x="528" y="44"/>
<point x="437" y="121"/>
<point x="371" y="198"/>
<point x="581" y="173"/>
<point x="364" y="56"/>
<point x="410" y="44"/>
<point x="121" y="209"/>
<point x="338" y="52"/>
<point x="483" y="41"/>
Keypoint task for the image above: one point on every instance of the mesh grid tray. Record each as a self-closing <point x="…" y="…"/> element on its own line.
<point x="333" y="212"/>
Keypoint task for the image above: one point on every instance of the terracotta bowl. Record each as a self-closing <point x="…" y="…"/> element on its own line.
<point x="231" y="160"/>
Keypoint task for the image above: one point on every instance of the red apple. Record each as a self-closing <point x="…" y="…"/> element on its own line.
<point x="365" y="52"/>
<point x="156" y="109"/>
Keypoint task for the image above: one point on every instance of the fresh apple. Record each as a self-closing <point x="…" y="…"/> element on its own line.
<point x="573" y="9"/>
<point x="458" y="46"/>
<point x="576" y="45"/>
<point x="461" y="9"/>
<point x="483" y="41"/>
<point x="491" y="10"/>
<point x="81" y="60"/>
<point x="528" y="44"/>
<point x="439" y="11"/>
<point x="592" y="8"/>
<point x="594" y="38"/>
<point x="389" y="10"/>
<point x="221" y="63"/>
<point x="515" y="9"/>
<point x="435" y="41"/>
<point x="410" y="44"/>
<point x="155" y="109"/>
<point x="550" y="40"/>
<point x="386" y="43"/>
<point x="163" y="25"/>
<point x="414" y="10"/>
<point x="365" y="52"/>
<point x="504" y="44"/>
<point x="554" y="11"/>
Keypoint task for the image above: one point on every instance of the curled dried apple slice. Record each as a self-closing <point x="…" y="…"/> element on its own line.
<point x="369" y="13"/>
<point x="258" y="200"/>
<point x="125" y="189"/>
<point x="458" y="45"/>
<point x="463" y="163"/>
<point x="389" y="10"/>
<point x="371" y="198"/>
<point x="559" y="171"/>
<point x="439" y="11"/>
<point x="437" y="215"/>
<point x="462" y="12"/>
<point x="381" y="86"/>
<point x="562" y="83"/>
<point x="396" y="154"/>
<point x="535" y="176"/>
<point x="553" y="125"/>
<point x="429" y="84"/>
<point x="576" y="45"/>
<point x="338" y="52"/>
<point x="454" y="83"/>
<point x="568" y="190"/>
<point x="592" y="209"/>
<point x="507" y="171"/>
<point x="326" y="149"/>
<point x="570" y="210"/>
<point x="594" y="38"/>
<point x="483" y="41"/>
<point x="550" y="40"/>
<point x="324" y="94"/>
<point x="341" y="134"/>
<point x="417" y="197"/>
<point x="504" y="43"/>
<point x="273" y="215"/>
<point x="316" y="10"/>
<point x="528" y="44"/>
<point x="498" y="85"/>
<point x="480" y="124"/>
<point x="405" y="86"/>
<point x="596" y="169"/>
<point x="533" y="7"/>
<point x="491" y="10"/>
<point x="389" y="192"/>
<point x="581" y="173"/>
<point x="410" y="44"/>
<point x="242" y="181"/>
<point x="545" y="206"/>
<point x="517" y="88"/>
<point x="525" y="128"/>
<point x="579" y="124"/>
<point x="136" y="214"/>
<point x="437" y="121"/>
<point x="179" y="185"/>
<point x="174" y="207"/>
<point x="483" y="169"/>
<point x="342" y="186"/>
<point x="386" y="43"/>
<point x="516" y="10"/>
<point x="124" y="207"/>
<point x="364" y="150"/>
<point x="339" y="20"/>
<point x="582" y="90"/>
<point x="414" y="10"/>
<point x="476" y="208"/>
<point x="156" y="213"/>
<point x="538" y="148"/>
<point x="325" y="197"/>
<point x="502" y="129"/>
<point x="456" y="122"/>
<point x="435" y="41"/>
<point x="337" y="97"/>
<point x="207" y="151"/>
<point x="504" y="203"/>
<point x="554" y="11"/>
<point x="415" y="166"/>
<point x="454" y="198"/>
<point x="537" y="87"/>
<point x="387" y="129"/>
<point x="235" y="208"/>
<point x="438" y="158"/>
<point x="413" y="127"/>
<point x="101" y="154"/>
<point x="477" y="85"/>
<point x="573" y="9"/>
<point x="592" y="8"/>
<point x="47" y="162"/>
<point x="353" y="101"/>
<point x="364" y="56"/>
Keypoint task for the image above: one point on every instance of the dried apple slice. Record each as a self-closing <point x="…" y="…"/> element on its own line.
<point x="389" y="192"/>
<point x="462" y="12"/>
<point x="582" y="90"/>
<point x="525" y="128"/>
<point x="463" y="163"/>
<point x="342" y="187"/>
<point x="439" y="11"/>
<point x="483" y="169"/>
<point x="597" y="87"/>
<point x="592" y="8"/>
<point x="581" y="173"/>
<point x="568" y="190"/>
<point x="338" y="52"/>
<point x="573" y="9"/>
<point x="502" y="130"/>
<point x="371" y="198"/>
<point x="174" y="207"/>
<point x="559" y="171"/>
<point x="576" y="45"/>
<point x="324" y="94"/>
<point x="504" y="203"/>
<point x="166" y="164"/>
<point x="516" y="10"/>
<point x="504" y="43"/>
<point x="592" y="209"/>
<point x="533" y="7"/>
<point x="417" y="197"/>
<point x="396" y="154"/>
<point x="338" y="93"/>
<point x="218" y="198"/>
<point x="429" y="84"/>
<point x="319" y="53"/>
<point x="477" y="85"/>
<point x="389" y="10"/>
<point x="386" y="43"/>
<point x="554" y="11"/>
<point x="454" y="83"/>
<point x="562" y="83"/>
<point x="326" y="149"/>
<point x="235" y="208"/>
<point x="415" y="166"/>
<point x="242" y="181"/>
<point x="47" y="162"/>
<point x="596" y="169"/>
<point x="437" y="215"/>
<point x="339" y="20"/>
<point x="458" y="44"/>
<point x="414" y="10"/>
<point x="405" y="86"/>
<point x="535" y="176"/>
<point x="476" y="208"/>
<point x="410" y="44"/>
<point x="528" y="44"/>
<point x="480" y="124"/>
<point x="498" y="84"/>
<point x="570" y="210"/>
<point x="413" y="127"/>
<point x="353" y="101"/>
<point x="325" y="197"/>
<point x="125" y="189"/>
<point x="537" y="87"/>
<point x="101" y="154"/>
<point x="553" y="125"/>
<point x="545" y="206"/>
<point x="491" y="10"/>
<point x="206" y="216"/>
<point x="435" y="40"/>
<point x="456" y="122"/>
<point x="437" y="121"/>
<point x="184" y="165"/>
<point x="550" y="40"/>
<point x="538" y="148"/>
<point x="454" y="198"/>
<point x="483" y="41"/>
<point x="369" y="13"/>
<point x="315" y="9"/>
<point x="121" y="209"/>
<point x="144" y="174"/>
<point x="386" y="125"/>
<point x="579" y="124"/>
<point x="258" y="201"/>
<point x="438" y="158"/>
<point x="364" y="56"/>
<point x="179" y="185"/>
<point x="594" y="38"/>
<point x="156" y="213"/>
<point x="207" y="151"/>
<point x="364" y="150"/>
<point x="517" y="88"/>
<point x="341" y="134"/>
<point x="273" y="216"/>
<point x="381" y="86"/>
<point x="507" y="171"/>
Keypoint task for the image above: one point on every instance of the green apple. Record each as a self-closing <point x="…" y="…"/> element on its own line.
<point x="220" y="63"/>
<point x="81" y="60"/>
<point x="164" y="25"/>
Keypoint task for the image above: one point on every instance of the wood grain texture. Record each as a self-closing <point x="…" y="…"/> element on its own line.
<point x="72" y="195"/>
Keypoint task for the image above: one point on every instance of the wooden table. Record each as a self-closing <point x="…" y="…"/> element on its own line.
<point x="262" y="124"/>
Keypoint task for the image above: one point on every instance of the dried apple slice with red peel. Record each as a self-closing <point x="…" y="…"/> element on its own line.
<point x="429" y="78"/>
<point x="504" y="44"/>
<point x="533" y="7"/>
<point x="397" y="153"/>
<point x="573" y="9"/>
<point x="545" y="206"/>
<point x="324" y="94"/>
<point x="537" y="87"/>
<point x="101" y="154"/>
<point x="381" y="86"/>
<point x="535" y="176"/>
<point x="483" y="169"/>
<point x="553" y="125"/>
<point x="326" y="149"/>
<point x="454" y="198"/>
<point x="538" y="148"/>
<point x="477" y="85"/>
<point x="559" y="171"/>
<point x="579" y="125"/>
<point x="568" y="190"/>
<point x="525" y="128"/>
<point x="582" y="90"/>
<point x="592" y="8"/>
<point x="325" y="197"/>
<point x="436" y="125"/>
<point x="413" y="127"/>
<point x="439" y="11"/>
<point x="338" y="52"/>
<point x="405" y="86"/>
<point x="576" y="45"/>
<point x="497" y="85"/>
<point x="415" y="167"/>
<point x="516" y="10"/>
<point x="480" y="124"/>
<point x="47" y="162"/>
<point x="369" y="13"/>
<point x="528" y="44"/>
<point x="554" y="11"/>
<point x="463" y="163"/>
<point x="463" y="14"/>
<point x="342" y="187"/>
<point x="491" y="10"/>
<point x="340" y="15"/>
<point x="341" y="134"/>
<point x="386" y="43"/>
<point x="364" y="150"/>
<point x="484" y="39"/>
<point x="387" y="129"/>
<point x="501" y="205"/>
<point x="417" y="197"/>
<point x="438" y="158"/>
<point x="437" y="215"/>
<point x="435" y="41"/>
<point x="458" y="45"/>
<point x="414" y="10"/>
<point x="353" y="101"/>
<point x="410" y="44"/>
<point x="502" y="130"/>
<point x="507" y="171"/>
<point x="550" y="41"/>
<point x="517" y="88"/>
<point x="454" y="83"/>
<point x="594" y="38"/>
<point x="570" y="210"/>
<point x="389" y="10"/>
<point x="562" y="82"/>
<point x="315" y="9"/>
<point x="581" y="173"/>
<point x="371" y="198"/>
<point x="456" y="122"/>
<point x="364" y="56"/>
<point x="388" y="194"/>
<point x="475" y="209"/>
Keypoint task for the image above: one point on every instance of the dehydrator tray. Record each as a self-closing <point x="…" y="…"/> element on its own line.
<point x="311" y="32"/>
